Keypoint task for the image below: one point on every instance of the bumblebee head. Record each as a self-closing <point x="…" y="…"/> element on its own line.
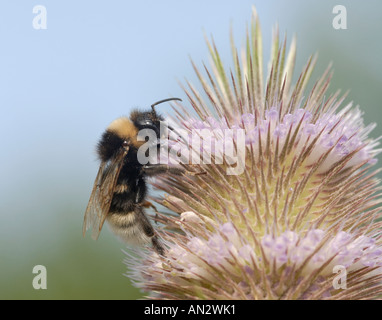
<point x="146" y="120"/>
<point x="149" y="119"/>
<point x="123" y="131"/>
<point x="120" y="134"/>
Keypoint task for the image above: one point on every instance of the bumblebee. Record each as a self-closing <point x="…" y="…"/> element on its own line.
<point x="120" y="188"/>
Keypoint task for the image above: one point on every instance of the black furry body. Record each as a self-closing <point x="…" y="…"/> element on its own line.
<point x="120" y="189"/>
<point x="126" y="216"/>
<point x="131" y="176"/>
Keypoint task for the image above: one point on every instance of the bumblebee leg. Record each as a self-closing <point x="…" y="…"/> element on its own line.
<point x="148" y="230"/>
<point x="157" y="245"/>
<point x="148" y="204"/>
<point x="155" y="169"/>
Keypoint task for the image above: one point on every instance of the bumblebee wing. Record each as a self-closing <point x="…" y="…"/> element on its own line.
<point x="93" y="210"/>
<point x="102" y="195"/>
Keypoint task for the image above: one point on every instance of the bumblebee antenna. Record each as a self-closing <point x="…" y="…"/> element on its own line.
<point x="169" y="127"/>
<point x="161" y="101"/>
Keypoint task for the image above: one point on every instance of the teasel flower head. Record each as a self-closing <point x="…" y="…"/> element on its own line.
<point x="300" y="203"/>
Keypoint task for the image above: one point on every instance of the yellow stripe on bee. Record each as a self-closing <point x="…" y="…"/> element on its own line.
<point x="121" y="219"/>
<point x="125" y="129"/>
<point x="121" y="188"/>
<point x="127" y="227"/>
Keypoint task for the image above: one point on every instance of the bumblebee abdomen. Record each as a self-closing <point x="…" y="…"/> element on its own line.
<point x="126" y="217"/>
<point x="129" y="228"/>
<point x="123" y="202"/>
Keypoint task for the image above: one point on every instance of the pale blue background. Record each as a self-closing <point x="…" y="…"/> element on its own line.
<point x="60" y="87"/>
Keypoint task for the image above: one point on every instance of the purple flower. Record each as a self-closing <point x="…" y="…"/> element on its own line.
<point x="306" y="202"/>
